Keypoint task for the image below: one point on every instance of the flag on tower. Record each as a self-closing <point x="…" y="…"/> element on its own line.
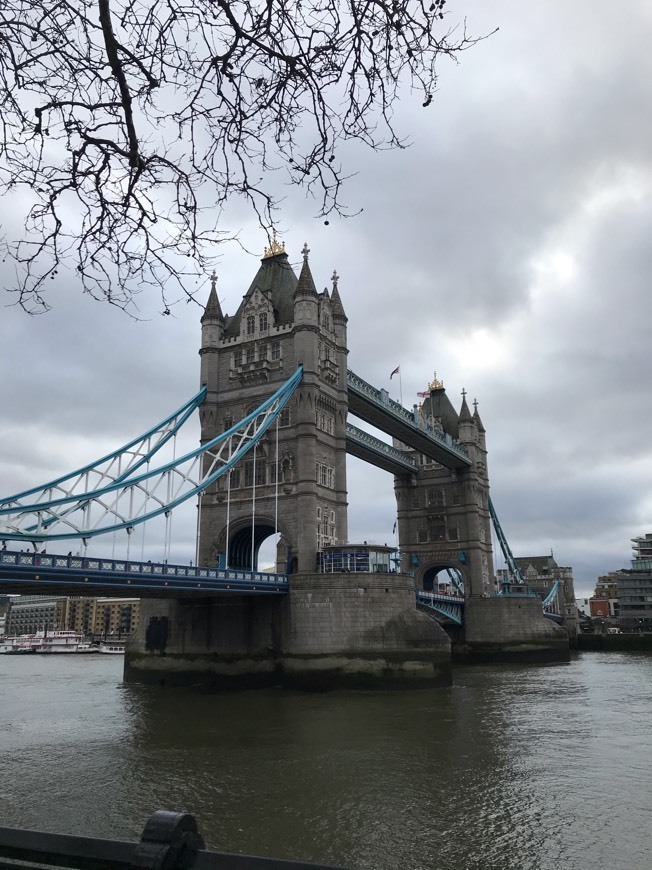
<point x="394" y="529"/>
<point x="395" y="372"/>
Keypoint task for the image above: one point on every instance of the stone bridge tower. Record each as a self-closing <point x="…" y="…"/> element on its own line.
<point x="281" y="322"/>
<point x="443" y="514"/>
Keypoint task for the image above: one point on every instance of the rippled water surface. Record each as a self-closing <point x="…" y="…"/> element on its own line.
<point x="510" y="768"/>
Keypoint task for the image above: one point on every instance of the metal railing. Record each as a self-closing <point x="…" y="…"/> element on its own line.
<point x="170" y="841"/>
<point x="99" y="565"/>
<point x="389" y="406"/>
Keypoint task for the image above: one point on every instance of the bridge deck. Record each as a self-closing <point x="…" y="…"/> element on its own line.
<point x="45" y="574"/>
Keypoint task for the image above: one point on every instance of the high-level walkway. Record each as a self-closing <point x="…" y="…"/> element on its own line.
<point x="375" y="407"/>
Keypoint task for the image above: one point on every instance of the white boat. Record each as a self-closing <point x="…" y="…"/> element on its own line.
<point x="112" y="649"/>
<point x="49" y="642"/>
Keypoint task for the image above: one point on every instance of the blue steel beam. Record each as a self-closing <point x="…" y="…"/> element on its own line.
<point x="165" y="487"/>
<point x="39" y="573"/>
<point x="376" y="452"/>
<point x="375" y="407"/>
<point x="450" y="606"/>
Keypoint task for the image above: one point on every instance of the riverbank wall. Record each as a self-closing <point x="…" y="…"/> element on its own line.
<point x="614" y="642"/>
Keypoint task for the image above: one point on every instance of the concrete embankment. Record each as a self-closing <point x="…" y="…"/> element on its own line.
<point x="614" y="642"/>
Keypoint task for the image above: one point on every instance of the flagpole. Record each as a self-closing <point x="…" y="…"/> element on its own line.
<point x="400" y="386"/>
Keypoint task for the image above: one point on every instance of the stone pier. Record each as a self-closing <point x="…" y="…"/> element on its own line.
<point x="330" y="631"/>
<point x="506" y="628"/>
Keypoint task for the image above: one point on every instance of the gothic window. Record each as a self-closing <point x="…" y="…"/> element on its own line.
<point x="251" y="324"/>
<point x="422" y="536"/>
<point x="276" y="350"/>
<point x="227" y="423"/>
<point x="457" y="495"/>
<point x="272" y="472"/>
<point x="437" y="527"/>
<point x="237" y="358"/>
<point x="436" y="497"/>
<point x="262" y="321"/>
<point x="235" y="478"/>
<point x="453" y="534"/>
<point x="326" y="323"/>
<point x="325" y="421"/>
<point x="249" y="473"/>
<point x="284" y="417"/>
<point x="251" y="355"/>
<point x="325" y="475"/>
<point x="261" y="474"/>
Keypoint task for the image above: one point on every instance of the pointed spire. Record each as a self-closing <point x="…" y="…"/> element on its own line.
<point x="476" y="417"/>
<point x="213" y="310"/>
<point x="306" y="284"/>
<point x="336" y="302"/>
<point x="465" y="414"/>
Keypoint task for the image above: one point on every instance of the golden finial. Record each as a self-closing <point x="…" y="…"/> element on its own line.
<point x="436" y="384"/>
<point x="275" y="248"/>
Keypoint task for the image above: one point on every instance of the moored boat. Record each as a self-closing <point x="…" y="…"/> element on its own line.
<point x="49" y="642"/>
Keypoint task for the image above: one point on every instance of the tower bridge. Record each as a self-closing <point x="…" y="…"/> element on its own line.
<point x="274" y="403"/>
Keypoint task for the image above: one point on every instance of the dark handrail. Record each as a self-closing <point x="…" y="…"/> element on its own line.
<point x="170" y="841"/>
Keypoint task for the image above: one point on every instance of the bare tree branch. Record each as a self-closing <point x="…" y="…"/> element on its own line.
<point x="127" y="125"/>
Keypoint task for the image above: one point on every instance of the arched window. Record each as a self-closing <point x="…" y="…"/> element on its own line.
<point x="251" y="324"/>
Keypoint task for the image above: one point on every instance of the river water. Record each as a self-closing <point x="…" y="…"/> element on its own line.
<point x="510" y="768"/>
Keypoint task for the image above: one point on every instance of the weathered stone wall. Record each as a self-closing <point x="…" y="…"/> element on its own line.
<point x="331" y="630"/>
<point x="510" y="628"/>
<point x="361" y="629"/>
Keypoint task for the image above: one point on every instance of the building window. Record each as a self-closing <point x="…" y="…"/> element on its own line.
<point x="436" y="497"/>
<point x="227" y="423"/>
<point x="249" y="474"/>
<point x="237" y="358"/>
<point x="422" y="536"/>
<point x="284" y="417"/>
<point x="276" y="350"/>
<point x="325" y="421"/>
<point x="251" y="324"/>
<point x="235" y="478"/>
<point x="325" y="475"/>
<point x="262" y="321"/>
<point x="251" y="355"/>
<point x="437" y="528"/>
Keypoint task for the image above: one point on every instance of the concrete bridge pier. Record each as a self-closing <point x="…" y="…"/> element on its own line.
<point x="330" y="631"/>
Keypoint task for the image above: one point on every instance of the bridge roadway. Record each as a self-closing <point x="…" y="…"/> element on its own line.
<point x="42" y="574"/>
<point x="376" y="408"/>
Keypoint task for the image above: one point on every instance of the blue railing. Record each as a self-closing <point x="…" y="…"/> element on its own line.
<point x="52" y="570"/>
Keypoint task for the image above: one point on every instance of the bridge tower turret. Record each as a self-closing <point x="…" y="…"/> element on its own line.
<point x="212" y="331"/>
<point x="282" y="322"/>
<point x="443" y="516"/>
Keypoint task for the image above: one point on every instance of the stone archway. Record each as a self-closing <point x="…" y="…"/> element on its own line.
<point x="443" y="577"/>
<point x="242" y="536"/>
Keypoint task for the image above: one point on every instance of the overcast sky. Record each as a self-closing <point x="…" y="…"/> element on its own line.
<point x="509" y="250"/>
